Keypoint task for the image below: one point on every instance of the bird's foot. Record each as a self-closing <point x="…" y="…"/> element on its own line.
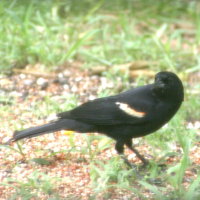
<point x="145" y="163"/>
<point x="131" y="165"/>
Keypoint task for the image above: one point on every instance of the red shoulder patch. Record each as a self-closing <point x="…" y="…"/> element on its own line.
<point x="130" y="111"/>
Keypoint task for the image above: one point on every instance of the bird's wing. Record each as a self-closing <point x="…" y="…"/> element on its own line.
<point x="111" y="111"/>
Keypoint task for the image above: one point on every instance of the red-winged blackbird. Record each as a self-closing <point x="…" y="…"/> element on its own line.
<point x="134" y="113"/>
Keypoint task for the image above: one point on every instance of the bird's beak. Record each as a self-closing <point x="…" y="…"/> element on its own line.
<point x="159" y="86"/>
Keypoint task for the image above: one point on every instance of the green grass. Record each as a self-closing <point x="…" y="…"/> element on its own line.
<point x="98" y="33"/>
<point x="38" y="183"/>
<point x="164" y="33"/>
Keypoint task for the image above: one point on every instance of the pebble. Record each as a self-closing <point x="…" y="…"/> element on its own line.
<point x="28" y="82"/>
<point x="62" y="80"/>
<point x="43" y="83"/>
<point x="22" y="76"/>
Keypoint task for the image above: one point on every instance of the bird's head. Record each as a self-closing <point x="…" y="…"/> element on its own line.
<point x="168" y="85"/>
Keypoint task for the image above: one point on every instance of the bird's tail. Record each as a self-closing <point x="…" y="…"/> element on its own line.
<point x="38" y="130"/>
<point x="60" y="124"/>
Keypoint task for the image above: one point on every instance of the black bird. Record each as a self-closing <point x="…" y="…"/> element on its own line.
<point x="131" y="114"/>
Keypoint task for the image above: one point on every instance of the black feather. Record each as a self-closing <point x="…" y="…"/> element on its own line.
<point x="117" y="116"/>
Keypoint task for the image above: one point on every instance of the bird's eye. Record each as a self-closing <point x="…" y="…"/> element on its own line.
<point x="165" y="80"/>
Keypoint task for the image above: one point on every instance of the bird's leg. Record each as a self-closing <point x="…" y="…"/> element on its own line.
<point x="130" y="146"/>
<point x="127" y="162"/>
<point x="145" y="161"/>
<point x="120" y="150"/>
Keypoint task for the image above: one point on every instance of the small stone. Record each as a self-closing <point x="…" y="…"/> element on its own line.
<point x="22" y="76"/>
<point x="28" y="82"/>
<point x="43" y="83"/>
<point x="62" y="80"/>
